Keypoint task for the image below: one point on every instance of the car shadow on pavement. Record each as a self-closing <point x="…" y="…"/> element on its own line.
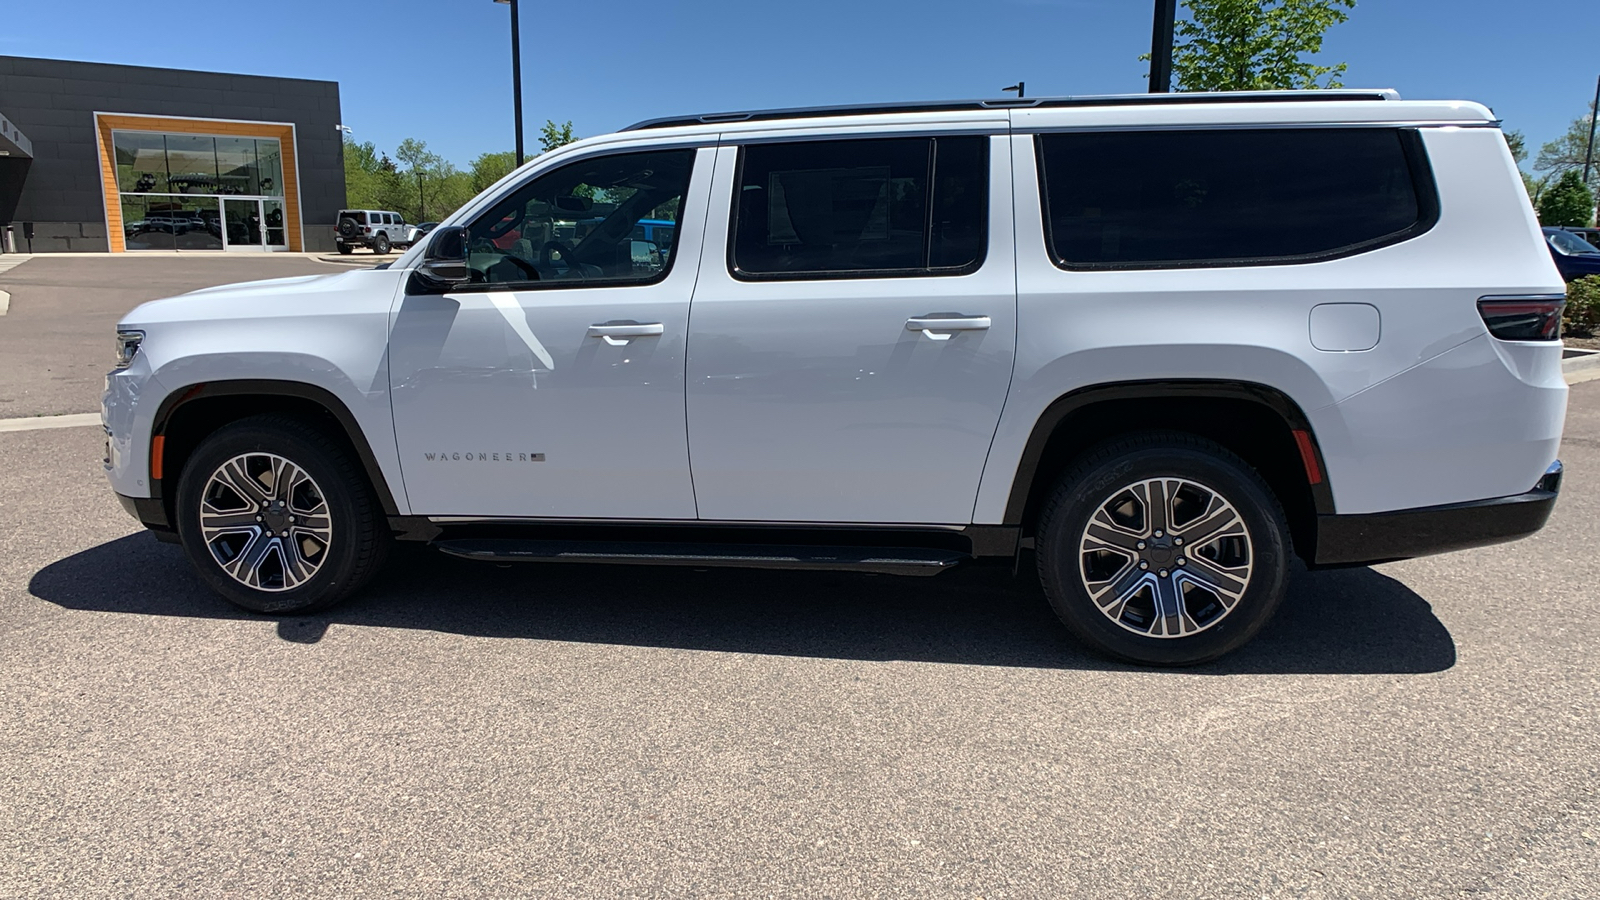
<point x="1351" y="621"/>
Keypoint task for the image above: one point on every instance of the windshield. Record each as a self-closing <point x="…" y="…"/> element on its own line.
<point x="1572" y="245"/>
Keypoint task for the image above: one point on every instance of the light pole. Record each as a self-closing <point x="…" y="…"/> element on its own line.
<point x="516" y="72"/>
<point x="1161" y="46"/>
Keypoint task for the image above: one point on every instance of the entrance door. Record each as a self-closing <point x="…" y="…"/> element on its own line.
<point x="853" y="364"/>
<point x="241" y="224"/>
<point x="274" y="233"/>
<point x="552" y="385"/>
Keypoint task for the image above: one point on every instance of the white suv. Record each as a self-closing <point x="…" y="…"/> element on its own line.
<point x="378" y="229"/>
<point x="1160" y="343"/>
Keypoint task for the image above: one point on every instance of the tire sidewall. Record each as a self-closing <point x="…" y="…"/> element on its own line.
<point x="332" y="580"/>
<point x="1059" y="561"/>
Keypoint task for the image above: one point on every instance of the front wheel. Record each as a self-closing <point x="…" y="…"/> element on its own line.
<point x="278" y="517"/>
<point x="1163" y="549"/>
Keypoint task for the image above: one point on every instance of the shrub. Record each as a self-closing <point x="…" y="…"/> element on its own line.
<point x="1582" y="315"/>
<point x="1567" y="202"/>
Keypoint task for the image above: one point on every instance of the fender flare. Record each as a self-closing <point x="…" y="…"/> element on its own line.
<point x="1062" y="407"/>
<point x="297" y="390"/>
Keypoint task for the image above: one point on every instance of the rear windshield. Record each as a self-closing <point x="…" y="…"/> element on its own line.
<point x="1151" y="199"/>
<point x="358" y="215"/>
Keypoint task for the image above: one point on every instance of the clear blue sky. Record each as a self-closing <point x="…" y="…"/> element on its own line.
<point x="606" y="64"/>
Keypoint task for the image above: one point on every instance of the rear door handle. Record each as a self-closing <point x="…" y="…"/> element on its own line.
<point x="943" y="326"/>
<point x="617" y="333"/>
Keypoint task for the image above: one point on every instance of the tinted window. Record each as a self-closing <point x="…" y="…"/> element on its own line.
<point x="1572" y="245"/>
<point x="1187" y="198"/>
<point x="576" y="225"/>
<point x="904" y="206"/>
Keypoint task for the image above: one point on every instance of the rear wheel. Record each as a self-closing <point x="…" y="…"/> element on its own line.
<point x="278" y="517"/>
<point x="346" y="249"/>
<point x="380" y="244"/>
<point x="1163" y="549"/>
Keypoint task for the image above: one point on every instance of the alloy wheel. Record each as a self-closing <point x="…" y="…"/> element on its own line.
<point x="265" y="522"/>
<point x="1165" y="557"/>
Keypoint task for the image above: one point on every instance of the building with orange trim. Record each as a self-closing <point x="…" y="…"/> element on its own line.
<point x="97" y="157"/>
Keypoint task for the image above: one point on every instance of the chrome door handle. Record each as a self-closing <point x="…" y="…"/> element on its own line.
<point x="617" y="333"/>
<point x="931" y="325"/>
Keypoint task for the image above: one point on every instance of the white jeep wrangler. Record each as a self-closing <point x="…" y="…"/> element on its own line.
<point x="379" y="229"/>
<point x="1157" y="343"/>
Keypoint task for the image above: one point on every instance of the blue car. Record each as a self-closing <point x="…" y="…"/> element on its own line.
<point x="1574" y="256"/>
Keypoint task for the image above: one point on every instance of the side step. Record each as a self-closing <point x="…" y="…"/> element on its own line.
<point x="883" y="560"/>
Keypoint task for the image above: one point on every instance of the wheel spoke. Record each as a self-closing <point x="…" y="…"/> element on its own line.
<point x="1119" y="588"/>
<point x="1214" y="577"/>
<point x="1210" y="527"/>
<point x="1107" y="537"/>
<point x="227" y="521"/>
<point x="233" y="475"/>
<point x="1159" y="505"/>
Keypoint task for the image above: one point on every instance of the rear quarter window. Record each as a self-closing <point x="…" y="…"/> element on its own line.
<point x="1169" y="199"/>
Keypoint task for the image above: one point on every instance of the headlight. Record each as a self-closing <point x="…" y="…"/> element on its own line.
<point x="128" y="347"/>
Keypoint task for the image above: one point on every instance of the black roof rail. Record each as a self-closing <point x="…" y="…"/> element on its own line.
<point x="867" y="109"/>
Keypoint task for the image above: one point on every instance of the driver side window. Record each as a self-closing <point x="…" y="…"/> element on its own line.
<point x="585" y="224"/>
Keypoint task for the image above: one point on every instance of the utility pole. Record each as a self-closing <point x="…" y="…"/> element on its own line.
<point x="1166" y="18"/>
<point x="516" y="72"/>
<point x="1594" y="117"/>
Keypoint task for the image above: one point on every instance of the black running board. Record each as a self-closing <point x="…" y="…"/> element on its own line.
<point x="882" y="560"/>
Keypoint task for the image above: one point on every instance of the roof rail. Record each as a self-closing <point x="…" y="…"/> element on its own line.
<point x="868" y="109"/>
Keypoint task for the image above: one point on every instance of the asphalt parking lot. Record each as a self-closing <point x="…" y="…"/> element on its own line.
<point x="1418" y="729"/>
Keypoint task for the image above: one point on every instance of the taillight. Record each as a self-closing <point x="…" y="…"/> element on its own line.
<point x="1523" y="318"/>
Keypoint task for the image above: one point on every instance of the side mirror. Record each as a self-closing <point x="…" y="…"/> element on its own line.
<point x="444" y="263"/>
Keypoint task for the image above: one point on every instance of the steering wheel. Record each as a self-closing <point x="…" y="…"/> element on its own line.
<point x="526" y="267"/>
<point x="567" y="257"/>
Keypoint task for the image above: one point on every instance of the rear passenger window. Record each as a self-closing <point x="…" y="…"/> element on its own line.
<point x="848" y="209"/>
<point x="1157" y="199"/>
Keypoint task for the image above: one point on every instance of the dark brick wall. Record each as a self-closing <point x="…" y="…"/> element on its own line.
<point x="53" y="102"/>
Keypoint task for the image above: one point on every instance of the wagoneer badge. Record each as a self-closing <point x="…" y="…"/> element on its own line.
<point x="484" y="457"/>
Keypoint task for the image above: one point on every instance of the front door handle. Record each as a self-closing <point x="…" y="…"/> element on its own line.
<point x="617" y="333"/>
<point x="943" y="326"/>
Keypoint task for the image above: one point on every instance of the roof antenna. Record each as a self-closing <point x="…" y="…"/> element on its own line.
<point x="1020" y="87"/>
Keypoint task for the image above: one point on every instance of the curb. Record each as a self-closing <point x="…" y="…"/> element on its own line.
<point x="1579" y="363"/>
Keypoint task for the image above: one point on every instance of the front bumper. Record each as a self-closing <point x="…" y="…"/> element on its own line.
<point x="152" y="514"/>
<point x="1407" y="533"/>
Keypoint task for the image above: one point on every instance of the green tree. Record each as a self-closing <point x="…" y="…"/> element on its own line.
<point x="423" y="166"/>
<point x="491" y="167"/>
<point x="1568" y="151"/>
<point x="371" y="180"/>
<point x="1254" y="45"/>
<point x="1518" y="146"/>
<point x="1567" y="202"/>
<point x="552" y="135"/>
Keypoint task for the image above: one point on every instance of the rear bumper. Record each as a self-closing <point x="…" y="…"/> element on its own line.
<point x="1407" y="533"/>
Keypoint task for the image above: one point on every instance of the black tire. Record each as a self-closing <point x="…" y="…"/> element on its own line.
<point x="380" y="244"/>
<point x="359" y="537"/>
<point x="348" y="226"/>
<point x="346" y="249"/>
<point x="1100" y="477"/>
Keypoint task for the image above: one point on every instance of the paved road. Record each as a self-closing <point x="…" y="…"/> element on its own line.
<point x="1422" y="729"/>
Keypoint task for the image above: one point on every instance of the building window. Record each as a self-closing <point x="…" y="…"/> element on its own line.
<point x="199" y="192"/>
